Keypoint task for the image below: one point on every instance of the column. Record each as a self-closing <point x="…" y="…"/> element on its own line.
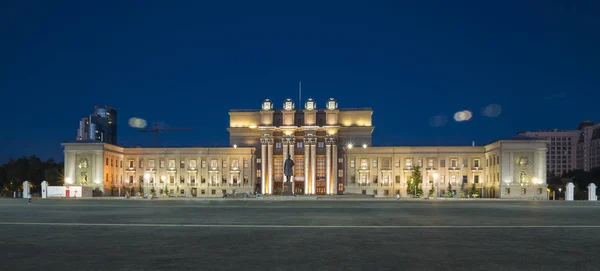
<point x="270" y="165"/>
<point x="313" y="166"/>
<point x="334" y="170"/>
<point x="328" y="166"/>
<point x="263" y="172"/>
<point x="292" y="145"/>
<point x="284" y="142"/>
<point x="306" y="165"/>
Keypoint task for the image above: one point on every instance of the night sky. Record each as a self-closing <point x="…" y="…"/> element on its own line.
<point x="186" y="63"/>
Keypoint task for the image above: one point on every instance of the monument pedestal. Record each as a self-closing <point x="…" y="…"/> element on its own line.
<point x="288" y="189"/>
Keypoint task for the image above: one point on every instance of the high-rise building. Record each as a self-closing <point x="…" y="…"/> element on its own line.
<point x="562" y="145"/>
<point x="99" y="126"/>
<point x="588" y="146"/>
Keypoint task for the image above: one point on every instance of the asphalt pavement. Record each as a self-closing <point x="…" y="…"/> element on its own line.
<point x="298" y="235"/>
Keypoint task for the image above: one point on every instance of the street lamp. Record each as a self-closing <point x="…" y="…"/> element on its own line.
<point x="435" y="177"/>
<point x="559" y="192"/>
<point x="146" y="180"/>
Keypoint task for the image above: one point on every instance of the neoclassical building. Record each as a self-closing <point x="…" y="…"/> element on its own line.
<point x="332" y="152"/>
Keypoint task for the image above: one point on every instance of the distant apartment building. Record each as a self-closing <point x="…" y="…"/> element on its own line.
<point x="588" y="146"/>
<point x="571" y="149"/>
<point x="99" y="126"/>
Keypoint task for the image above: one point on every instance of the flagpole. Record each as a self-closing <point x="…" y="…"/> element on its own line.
<point x="300" y="94"/>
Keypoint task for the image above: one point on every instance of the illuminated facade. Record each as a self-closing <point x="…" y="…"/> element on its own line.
<point x="333" y="154"/>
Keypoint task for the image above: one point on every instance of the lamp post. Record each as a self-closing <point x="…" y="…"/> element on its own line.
<point x="347" y="149"/>
<point x="435" y="177"/>
<point x="146" y="180"/>
<point x="559" y="192"/>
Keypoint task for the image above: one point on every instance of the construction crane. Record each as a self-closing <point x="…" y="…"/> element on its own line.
<point x="157" y="130"/>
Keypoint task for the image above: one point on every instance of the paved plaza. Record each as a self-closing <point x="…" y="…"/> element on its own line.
<point x="298" y="235"/>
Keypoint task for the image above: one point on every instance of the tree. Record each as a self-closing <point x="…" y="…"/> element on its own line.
<point x="432" y="192"/>
<point x="474" y="193"/>
<point x="449" y="192"/>
<point x="462" y="190"/>
<point x="415" y="180"/>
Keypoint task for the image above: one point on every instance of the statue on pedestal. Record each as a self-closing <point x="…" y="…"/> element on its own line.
<point x="288" y="168"/>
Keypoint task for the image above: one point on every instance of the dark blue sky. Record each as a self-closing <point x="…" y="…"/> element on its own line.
<point x="186" y="63"/>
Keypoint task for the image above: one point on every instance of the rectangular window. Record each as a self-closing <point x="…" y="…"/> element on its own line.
<point x="364" y="163"/>
<point x="258" y="160"/>
<point x="131" y="179"/>
<point x="277" y="145"/>
<point x="193" y="178"/>
<point x="442" y="163"/>
<point x="465" y="179"/>
<point x="107" y="161"/>
<point x="465" y="163"/>
<point x="320" y="168"/>
<point x="278" y="169"/>
<point x="340" y="160"/>
<point x="420" y="163"/>
<point x="193" y="164"/>
<point x="397" y="163"/>
<point x="130" y="163"/>
<point x="386" y="192"/>
<point x="162" y="163"/>
<point x="214" y="163"/>
<point x="213" y="191"/>
<point x="141" y="163"/>
<point x="151" y="163"/>
<point x="375" y="163"/>
<point x="171" y="178"/>
<point x="340" y="173"/>
<point x="476" y="179"/>
<point x="203" y="163"/>
<point x="245" y="163"/>
<point x="202" y="179"/>
<point x="523" y="191"/>
<point x="397" y="178"/>
<point x="476" y="163"/>
<point x="171" y="163"/>
<point x="430" y="163"/>
<point x="299" y="167"/>
<point x="182" y="164"/>
<point x="121" y="162"/>
<point x="453" y="179"/>
<point x="181" y="179"/>
<point x="386" y="163"/>
<point x="352" y="163"/>
<point x="409" y="163"/>
<point x="202" y="192"/>
<point x="320" y="144"/>
<point x="299" y="145"/>
<point x="235" y="163"/>
<point x="224" y="162"/>
<point x="111" y="162"/>
<point x="453" y="163"/>
<point x="375" y="179"/>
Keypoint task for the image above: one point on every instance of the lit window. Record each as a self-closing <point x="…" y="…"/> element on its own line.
<point x="299" y="145"/>
<point x="409" y="163"/>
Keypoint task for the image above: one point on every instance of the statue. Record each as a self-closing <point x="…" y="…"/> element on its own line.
<point x="288" y="168"/>
<point x="83" y="178"/>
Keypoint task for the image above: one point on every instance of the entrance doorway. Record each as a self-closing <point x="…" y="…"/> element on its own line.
<point x="299" y="188"/>
<point x="321" y="188"/>
<point x="277" y="188"/>
<point x="194" y="192"/>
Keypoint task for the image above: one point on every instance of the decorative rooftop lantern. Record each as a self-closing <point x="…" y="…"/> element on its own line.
<point x="267" y="105"/>
<point x="288" y="104"/>
<point x="332" y="104"/>
<point x="310" y="104"/>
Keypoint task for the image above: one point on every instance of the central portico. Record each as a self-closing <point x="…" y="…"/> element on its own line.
<point x="310" y="136"/>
